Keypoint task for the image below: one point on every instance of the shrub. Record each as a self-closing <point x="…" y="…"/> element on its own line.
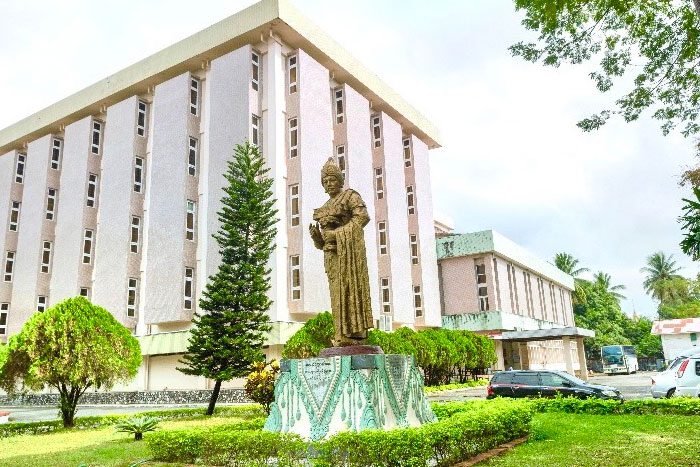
<point x="315" y="335"/>
<point x="675" y="406"/>
<point x="260" y="386"/>
<point x="138" y="426"/>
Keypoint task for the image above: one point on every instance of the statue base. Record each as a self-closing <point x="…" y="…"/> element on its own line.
<point x="318" y="397"/>
<point x="351" y="350"/>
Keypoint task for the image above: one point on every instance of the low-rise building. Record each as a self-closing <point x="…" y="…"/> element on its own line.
<point x="677" y="335"/>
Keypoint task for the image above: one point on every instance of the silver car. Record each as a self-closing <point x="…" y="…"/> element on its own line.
<point x="664" y="384"/>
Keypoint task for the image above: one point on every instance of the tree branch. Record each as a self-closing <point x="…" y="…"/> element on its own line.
<point x="697" y="7"/>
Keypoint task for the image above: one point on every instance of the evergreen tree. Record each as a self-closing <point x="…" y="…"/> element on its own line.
<point x="227" y="339"/>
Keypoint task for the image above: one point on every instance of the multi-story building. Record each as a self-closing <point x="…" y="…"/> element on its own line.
<point x="112" y="193"/>
<point x="491" y="285"/>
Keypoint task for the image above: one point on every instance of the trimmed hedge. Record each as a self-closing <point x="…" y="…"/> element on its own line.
<point x="675" y="406"/>
<point x="84" y="423"/>
<point x="472" y="429"/>
<point x="447" y="387"/>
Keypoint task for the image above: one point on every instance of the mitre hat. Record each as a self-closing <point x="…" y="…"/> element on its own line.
<point x="332" y="169"/>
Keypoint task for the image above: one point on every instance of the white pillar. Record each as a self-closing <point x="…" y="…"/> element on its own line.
<point x="498" y="348"/>
<point x="582" y="359"/>
<point x="567" y="355"/>
<point x="524" y="357"/>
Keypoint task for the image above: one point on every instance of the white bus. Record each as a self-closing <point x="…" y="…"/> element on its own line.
<point x="619" y="359"/>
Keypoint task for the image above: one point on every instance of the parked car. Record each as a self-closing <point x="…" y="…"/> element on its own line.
<point x="664" y="384"/>
<point x="688" y="377"/>
<point x="545" y="383"/>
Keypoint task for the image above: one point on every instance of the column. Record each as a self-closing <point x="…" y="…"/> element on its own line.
<point x="498" y="348"/>
<point x="582" y="358"/>
<point x="524" y="357"/>
<point x="567" y="355"/>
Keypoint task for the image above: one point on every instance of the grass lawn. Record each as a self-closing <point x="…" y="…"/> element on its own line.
<point x="561" y="439"/>
<point x="99" y="447"/>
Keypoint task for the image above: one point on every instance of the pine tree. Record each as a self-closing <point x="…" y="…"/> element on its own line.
<point x="228" y="335"/>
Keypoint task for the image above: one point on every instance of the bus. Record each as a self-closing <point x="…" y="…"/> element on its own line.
<point x="619" y="359"/>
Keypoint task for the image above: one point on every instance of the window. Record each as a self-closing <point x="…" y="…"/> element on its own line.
<point x="132" y="287"/>
<point x="379" y="182"/>
<point x="189" y="288"/>
<point x="376" y="132"/>
<point x="417" y="301"/>
<point x="526" y="379"/>
<point x="295" y="277"/>
<point x="41" y="303"/>
<point x="385" y="294"/>
<point x="410" y="200"/>
<point x="46" y="257"/>
<point x="293" y="137"/>
<point x="407" y="155"/>
<point x="294" y="205"/>
<point x="56" y="151"/>
<point x="342" y="162"/>
<point x="4" y="308"/>
<point x="87" y="246"/>
<point x="96" y="137"/>
<point x="51" y="204"/>
<point x="19" y="167"/>
<point x="255" y="121"/>
<point x="255" y="60"/>
<point x="194" y="96"/>
<point x="9" y="266"/>
<point x="85" y="292"/>
<point x="141" y="118"/>
<point x="381" y="231"/>
<point x="292" y="73"/>
<point x="338" y="106"/>
<point x="552" y="380"/>
<point x="190" y="223"/>
<point x="413" y="240"/>
<point x="14" y="216"/>
<point x="92" y="191"/>
<point x="192" y="157"/>
<point x="138" y="175"/>
<point x="693" y="337"/>
<point x="482" y="292"/>
<point x="135" y="234"/>
<point x="385" y="323"/>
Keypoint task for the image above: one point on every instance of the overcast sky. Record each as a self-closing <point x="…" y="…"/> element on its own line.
<point x="512" y="158"/>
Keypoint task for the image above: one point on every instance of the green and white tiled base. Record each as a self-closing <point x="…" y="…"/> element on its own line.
<point x="318" y="397"/>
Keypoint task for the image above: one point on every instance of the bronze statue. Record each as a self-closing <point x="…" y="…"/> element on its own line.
<point x="338" y="232"/>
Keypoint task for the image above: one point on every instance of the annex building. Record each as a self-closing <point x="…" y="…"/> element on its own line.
<point x="112" y="193"/>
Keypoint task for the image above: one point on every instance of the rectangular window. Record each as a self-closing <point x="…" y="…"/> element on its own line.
<point x="385" y="295"/>
<point x="138" y="175"/>
<point x="481" y="287"/>
<point x="19" y="167"/>
<point x="92" y="191"/>
<point x="381" y="231"/>
<point x="85" y="292"/>
<point x="189" y="288"/>
<point x="51" y="203"/>
<point x="46" y="257"/>
<point x="192" y="156"/>
<point x="56" y="152"/>
<point x="255" y="124"/>
<point x="413" y="240"/>
<point x="379" y="182"/>
<point x="194" y="96"/>
<point x="293" y="137"/>
<point x="407" y="154"/>
<point x="135" y="239"/>
<point x="292" y="73"/>
<point x="385" y="323"/>
<point x="96" y="137"/>
<point x="255" y="60"/>
<point x="141" y="118"/>
<point x="376" y="132"/>
<point x="132" y="289"/>
<point x="9" y="266"/>
<point x="41" y="303"/>
<point x="294" y="205"/>
<point x="295" y="277"/>
<point x="14" y="216"/>
<point x="410" y="200"/>
<point x="693" y="337"/>
<point x="417" y="301"/>
<point x="342" y="161"/>
<point x="191" y="220"/>
<point x="339" y="106"/>
<point x="87" y="246"/>
<point x="4" y="309"/>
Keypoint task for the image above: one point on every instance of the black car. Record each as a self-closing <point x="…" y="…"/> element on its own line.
<point x="543" y="383"/>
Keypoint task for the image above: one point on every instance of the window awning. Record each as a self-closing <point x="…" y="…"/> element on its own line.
<point x="544" y="334"/>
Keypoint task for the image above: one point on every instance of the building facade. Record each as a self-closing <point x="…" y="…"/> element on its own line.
<point x="678" y="336"/>
<point x="493" y="286"/>
<point x="113" y="192"/>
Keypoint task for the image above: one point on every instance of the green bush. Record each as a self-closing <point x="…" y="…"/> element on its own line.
<point x="675" y="406"/>
<point x="137" y="426"/>
<point x="315" y="335"/>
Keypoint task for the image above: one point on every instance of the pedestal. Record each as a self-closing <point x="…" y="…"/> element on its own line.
<point x="318" y="397"/>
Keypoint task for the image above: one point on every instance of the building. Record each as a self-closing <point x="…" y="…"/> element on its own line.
<point x="112" y="193"/>
<point x="677" y="335"/>
<point x="493" y="286"/>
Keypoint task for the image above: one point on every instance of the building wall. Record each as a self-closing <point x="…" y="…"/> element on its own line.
<point x="675" y="344"/>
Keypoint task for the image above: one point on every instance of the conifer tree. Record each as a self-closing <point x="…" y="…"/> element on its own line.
<point x="229" y="332"/>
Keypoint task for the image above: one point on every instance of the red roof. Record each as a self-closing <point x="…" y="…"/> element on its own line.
<point x="676" y="326"/>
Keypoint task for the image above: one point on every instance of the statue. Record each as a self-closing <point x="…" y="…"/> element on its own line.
<point x="338" y="232"/>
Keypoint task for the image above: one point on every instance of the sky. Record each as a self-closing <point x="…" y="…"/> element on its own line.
<point x="512" y="158"/>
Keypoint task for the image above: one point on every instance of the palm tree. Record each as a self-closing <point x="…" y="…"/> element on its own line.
<point x="567" y="263"/>
<point x="660" y="269"/>
<point x="603" y="281"/>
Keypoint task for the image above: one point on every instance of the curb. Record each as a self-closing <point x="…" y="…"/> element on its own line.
<point x="493" y="452"/>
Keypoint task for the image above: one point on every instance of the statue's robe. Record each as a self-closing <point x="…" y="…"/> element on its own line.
<point x="345" y="262"/>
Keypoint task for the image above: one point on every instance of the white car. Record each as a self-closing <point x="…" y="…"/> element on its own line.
<point x="664" y="384"/>
<point x="688" y="377"/>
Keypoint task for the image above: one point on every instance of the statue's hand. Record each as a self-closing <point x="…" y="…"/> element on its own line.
<point x="329" y="236"/>
<point x="316" y="235"/>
